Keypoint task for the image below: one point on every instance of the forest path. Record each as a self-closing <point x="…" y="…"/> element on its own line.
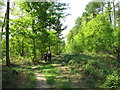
<point x="56" y="75"/>
<point x="41" y="80"/>
<point x="72" y="75"/>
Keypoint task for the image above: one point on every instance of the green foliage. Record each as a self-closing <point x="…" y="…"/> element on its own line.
<point x="112" y="80"/>
<point x="96" y="35"/>
<point x="17" y="77"/>
<point x="94" y="31"/>
<point x="36" y="26"/>
<point x="54" y="75"/>
<point x="99" y="70"/>
<point x="94" y="8"/>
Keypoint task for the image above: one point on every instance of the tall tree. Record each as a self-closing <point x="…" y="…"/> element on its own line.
<point x="114" y="16"/>
<point x="94" y="8"/>
<point x="45" y="17"/>
<point x="109" y="11"/>
<point x="118" y="31"/>
<point x="7" y="35"/>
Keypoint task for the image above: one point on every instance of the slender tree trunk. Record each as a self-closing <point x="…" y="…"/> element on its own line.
<point x="1" y="33"/>
<point x="57" y="48"/>
<point x="7" y="36"/>
<point x="3" y="25"/>
<point x="114" y="16"/>
<point x="57" y="44"/>
<point x="33" y="30"/>
<point x="102" y="7"/>
<point x="34" y="44"/>
<point x="19" y="48"/>
<point x="22" y="53"/>
<point x="109" y="10"/>
<point x="49" y="39"/>
<point x="118" y="31"/>
<point x="34" y="49"/>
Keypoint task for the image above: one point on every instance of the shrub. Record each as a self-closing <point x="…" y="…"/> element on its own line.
<point x="112" y="80"/>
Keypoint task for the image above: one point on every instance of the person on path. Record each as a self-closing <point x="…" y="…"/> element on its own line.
<point x="45" y="57"/>
<point x="49" y="56"/>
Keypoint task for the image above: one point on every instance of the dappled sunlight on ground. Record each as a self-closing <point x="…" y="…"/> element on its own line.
<point x="57" y="75"/>
<point x="41" y="80"/>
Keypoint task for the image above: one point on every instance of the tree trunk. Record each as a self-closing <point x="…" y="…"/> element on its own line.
<point x="57" y="44"/>
<point x="34" y="44"/>
<point x="118" y="31"/>
<point x="114" y="16"/>
<point x="109" y="10"/>
<point x="49" y="39"/>
<point x="34" y="49"/>
<point x="7" y="36"/>
<point x="102" y="7"/>
<point x="3" y="25"/>
<point x="22" y="53"/>
<point x="19" y="47"/>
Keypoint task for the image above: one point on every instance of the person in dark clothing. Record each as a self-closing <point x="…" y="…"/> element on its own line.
<point x="45" y="57"/>
<point x="49" y="56"/>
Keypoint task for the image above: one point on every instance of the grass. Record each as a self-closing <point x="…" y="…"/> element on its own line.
<point x="84" y="70"/>
<point x="18" y="60"/>
<point x="54" y="75"/>
<point x="18" y="77"/>
<point x="99" y="70"/>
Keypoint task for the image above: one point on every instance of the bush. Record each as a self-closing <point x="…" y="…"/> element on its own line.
<point x="99" y="69"/>
<point x="112" y="80"/>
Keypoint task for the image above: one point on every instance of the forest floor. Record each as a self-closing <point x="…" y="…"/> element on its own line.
<point x="41" y="80"/>
<point x="64" y="71"/>
<point x="52" y="74"/>
<point x="56" y="75"/>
